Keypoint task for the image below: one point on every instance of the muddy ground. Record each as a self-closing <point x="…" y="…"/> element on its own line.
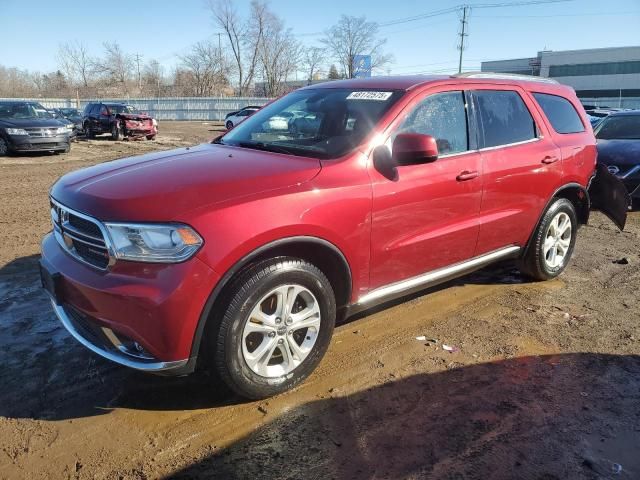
<point x="545" y="385"/>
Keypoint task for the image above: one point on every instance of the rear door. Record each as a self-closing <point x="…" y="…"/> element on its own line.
<point x="427" y="216"/>
<point x="521" y="164"/>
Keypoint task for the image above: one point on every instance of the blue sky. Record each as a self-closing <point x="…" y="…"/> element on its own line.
<point x="31" y="30"/>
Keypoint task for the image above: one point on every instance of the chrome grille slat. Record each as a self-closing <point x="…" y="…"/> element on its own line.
<point x="81" y="236"/>
<point x="76" y="233"/>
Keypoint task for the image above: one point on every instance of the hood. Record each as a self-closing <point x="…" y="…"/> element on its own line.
<point x="162" y="185"/>
<point x="134" y="116"/>
<point x="30" y="122"/>
<point x="619" y="152"/>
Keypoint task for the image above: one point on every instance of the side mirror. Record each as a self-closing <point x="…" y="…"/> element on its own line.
<point x="414" y="149"/>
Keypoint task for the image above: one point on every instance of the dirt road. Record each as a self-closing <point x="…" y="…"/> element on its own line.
<point x="545" y="385"/>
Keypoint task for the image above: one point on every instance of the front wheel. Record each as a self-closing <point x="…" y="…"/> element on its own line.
<point x="4" y="148"/>
<point x="553" y="242"/>
<point x="276" y="328"/>
<point x="151" y="137"/>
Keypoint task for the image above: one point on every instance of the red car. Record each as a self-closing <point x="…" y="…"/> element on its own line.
<point x="239" y="255"/>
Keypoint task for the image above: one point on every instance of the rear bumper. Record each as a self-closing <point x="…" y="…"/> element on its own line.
<point x="142" y="316"/>
<point x="24" y="143"/>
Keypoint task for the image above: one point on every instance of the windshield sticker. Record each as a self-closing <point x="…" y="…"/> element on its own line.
<point x="376" y="96"/>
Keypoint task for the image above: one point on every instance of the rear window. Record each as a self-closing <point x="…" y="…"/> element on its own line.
<point x="505" y="118"/>
<point x="560" y="112"/>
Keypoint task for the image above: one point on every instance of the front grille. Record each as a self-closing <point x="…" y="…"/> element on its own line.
<point x="80" y="236"/>
<point x="42" y="132"/>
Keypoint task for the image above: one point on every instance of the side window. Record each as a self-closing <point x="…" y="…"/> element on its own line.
<point x="505" y="118"/>
<point x="443" y="116"/>
<point x="103" y="109"/>
<point x="560" y="112"/>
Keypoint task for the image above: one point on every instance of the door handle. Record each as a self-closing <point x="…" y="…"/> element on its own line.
<point x="467" y="175"/>
<point x="550" y="159"/>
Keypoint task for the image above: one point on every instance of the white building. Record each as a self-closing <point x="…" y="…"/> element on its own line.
<point x="600" y="76"/>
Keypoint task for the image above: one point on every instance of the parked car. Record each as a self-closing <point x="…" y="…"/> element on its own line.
<point x="240" y="254"/>
<point x="234" y="118"/>
<point x="618" y="137"/>
<point x="71" y="128"/>
<point x="29" y="127"/>
<point x="118" y="119"/>
<point x="72" y="114"/>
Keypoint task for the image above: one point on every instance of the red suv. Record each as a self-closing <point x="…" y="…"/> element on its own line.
<point x="240" y="254"/>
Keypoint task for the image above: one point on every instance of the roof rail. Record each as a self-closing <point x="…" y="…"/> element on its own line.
<point x="505" y="76"/>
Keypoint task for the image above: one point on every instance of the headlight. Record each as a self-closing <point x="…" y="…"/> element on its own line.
<point x="16" y="131"/>
<point x="170" y="243"/>
<point x="62" y="130"/>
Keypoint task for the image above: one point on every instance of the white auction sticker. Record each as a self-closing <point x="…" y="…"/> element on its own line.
<point x="377" y="96"/>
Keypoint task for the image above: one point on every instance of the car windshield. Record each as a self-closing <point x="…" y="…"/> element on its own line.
<point x="70" y="112"/>
<point x="121" y="109"/>
<point x="622" y="127"/>
<point x="23" y="110"/>
<point x="322" y="123"/>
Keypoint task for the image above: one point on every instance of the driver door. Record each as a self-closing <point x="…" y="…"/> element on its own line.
<point x="428" y="216"/>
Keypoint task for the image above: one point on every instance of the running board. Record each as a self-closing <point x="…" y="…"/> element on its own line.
<point x="435" y="277"/>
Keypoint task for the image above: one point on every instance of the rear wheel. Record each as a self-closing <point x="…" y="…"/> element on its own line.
<point x="229" y="125"/>
<point x="117" y="132"/>
<point x="277" y="326"/>
<point x="553" y="242"/>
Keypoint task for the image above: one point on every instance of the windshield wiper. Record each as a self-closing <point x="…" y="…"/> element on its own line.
<point x="267" y="147"/>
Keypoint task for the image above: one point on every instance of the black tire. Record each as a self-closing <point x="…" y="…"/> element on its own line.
<point x="4" y="148"/>
<point x="117" y="132"/>
<point x="229" y="125"/>
<point x="151" y="137"/>
<point x="535" y="262"/>
<point x="87" y="131"/>
<point x="225" y="341"/>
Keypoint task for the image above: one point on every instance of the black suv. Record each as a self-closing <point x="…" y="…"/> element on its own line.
<point x="118" y="119"/>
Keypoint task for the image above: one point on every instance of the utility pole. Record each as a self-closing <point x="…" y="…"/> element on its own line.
<point x="463" y="33"/>
<point x="139" y="77"/>
<point x="219" y="43"/>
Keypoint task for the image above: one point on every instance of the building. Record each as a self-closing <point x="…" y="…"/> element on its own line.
<point x="601" y="76"/>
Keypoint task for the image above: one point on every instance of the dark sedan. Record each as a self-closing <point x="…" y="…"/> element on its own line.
<point x="619" y="148"/>
<point x="29" y="127"/>
<point x="73" y="115"/>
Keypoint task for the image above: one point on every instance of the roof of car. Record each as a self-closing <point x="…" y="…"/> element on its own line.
<point x="625" y="113"/>
<point x="408" y="82"/>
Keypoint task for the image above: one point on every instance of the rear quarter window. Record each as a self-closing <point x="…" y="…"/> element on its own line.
<point x="561" y="113"/>
<point x="505" y="118"/>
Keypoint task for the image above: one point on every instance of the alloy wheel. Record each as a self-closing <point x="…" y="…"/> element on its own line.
<point x="281" y="331"/>
<point x="557" y="240"/>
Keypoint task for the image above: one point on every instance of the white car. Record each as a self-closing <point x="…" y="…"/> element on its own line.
<point x="234" y="118"/>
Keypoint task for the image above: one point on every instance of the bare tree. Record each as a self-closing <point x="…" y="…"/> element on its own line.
<point x="206" y="69"/>
<point x="74" y="61"/>
<point x="353" y="36"/>
<point x="312" y="59"/>
<point x="280" y="54"/>
<point x="116" y="65"/>
<point x="153" y="76"/>
<point x="244" y="36"/>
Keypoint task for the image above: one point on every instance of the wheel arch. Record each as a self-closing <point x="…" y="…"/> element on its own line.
<point x="577" y="194"/>
<point x="321" y="253"/>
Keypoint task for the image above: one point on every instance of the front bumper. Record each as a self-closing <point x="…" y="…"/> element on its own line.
<point x="24" y="143"/>
<point x="142" y="316"/>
